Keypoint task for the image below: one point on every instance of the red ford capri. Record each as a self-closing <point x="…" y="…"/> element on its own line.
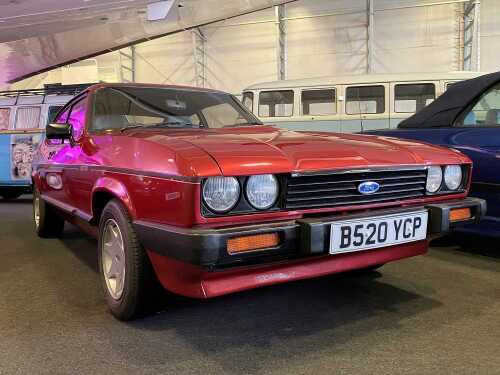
<point x="185" y="187"/>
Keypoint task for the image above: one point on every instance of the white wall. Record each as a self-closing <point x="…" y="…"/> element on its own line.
<point x="490" y="35"/>
<point x="240" y="55"/>
<point x="405" y="40"/>
<point x="416" y="39"/>
<point x="333" y="44"/>
<point x="168" y="60"/>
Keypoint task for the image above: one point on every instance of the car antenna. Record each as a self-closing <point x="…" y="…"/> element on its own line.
<point x="359" y="113"/>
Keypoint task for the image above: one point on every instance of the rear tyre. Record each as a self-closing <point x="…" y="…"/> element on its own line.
<point x="10" y="194"/>
<point x="126" y="274"/>
<point x="48" y="224"/>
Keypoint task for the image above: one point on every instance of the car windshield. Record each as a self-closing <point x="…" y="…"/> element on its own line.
<point x="153" y="107"/>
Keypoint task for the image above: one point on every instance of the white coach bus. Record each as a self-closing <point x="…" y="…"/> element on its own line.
<point x="347" y="104"/>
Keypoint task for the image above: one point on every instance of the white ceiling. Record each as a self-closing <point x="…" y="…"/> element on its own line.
<point x="37" y="35"/>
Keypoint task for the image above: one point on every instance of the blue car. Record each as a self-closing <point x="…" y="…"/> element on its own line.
<point x="467" y="118"/>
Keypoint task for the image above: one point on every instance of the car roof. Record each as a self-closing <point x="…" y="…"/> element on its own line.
<point x="151" y="85"/>
<point x="444" y="110"/>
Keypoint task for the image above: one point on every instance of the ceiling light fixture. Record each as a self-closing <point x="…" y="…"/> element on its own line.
<point x="159" y="10"/>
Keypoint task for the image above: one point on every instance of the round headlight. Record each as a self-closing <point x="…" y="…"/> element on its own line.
<point x="453" y="177"/>
<point x="434" y="179"/>
<point x="262" y="191"/>
<point x="221" y="193"/>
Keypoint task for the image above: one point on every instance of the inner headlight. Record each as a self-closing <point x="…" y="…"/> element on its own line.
<point x="262" y="191"/>
<point x="453" y="177"/>
<point x="434" y="179"/>
<point x="221" y="193"/>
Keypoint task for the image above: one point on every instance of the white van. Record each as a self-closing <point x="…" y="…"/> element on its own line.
<point x="347" y="104"/>
<point x="23" y="117"/>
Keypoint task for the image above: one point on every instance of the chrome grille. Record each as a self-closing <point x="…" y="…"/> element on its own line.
<point x="341" y="188"/>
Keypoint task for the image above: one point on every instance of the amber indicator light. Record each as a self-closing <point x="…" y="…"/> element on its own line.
<point x="250" y="243"/>
<point x="459" y="214"/>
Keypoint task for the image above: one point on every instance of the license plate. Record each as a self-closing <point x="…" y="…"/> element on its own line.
<point x="381" y="231"/>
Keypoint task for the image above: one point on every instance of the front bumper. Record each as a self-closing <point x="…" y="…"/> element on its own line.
<point x="301" y="238"/>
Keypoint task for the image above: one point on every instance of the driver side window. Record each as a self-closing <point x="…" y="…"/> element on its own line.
<point x="62" y="117"/>
<point x="77" y="118"/>
<point x="486" y="112"/>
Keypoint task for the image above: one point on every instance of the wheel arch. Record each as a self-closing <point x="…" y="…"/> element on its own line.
<point x="106" y="189"/>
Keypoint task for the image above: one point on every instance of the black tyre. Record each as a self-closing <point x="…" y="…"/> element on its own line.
<point x="126" y="273"/>
<point x="48" y="223"/>
<point x="10" y="194"/>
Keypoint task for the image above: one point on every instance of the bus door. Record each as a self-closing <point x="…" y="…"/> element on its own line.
<point x="318" y="109"/>
<point x="365" y="107"/>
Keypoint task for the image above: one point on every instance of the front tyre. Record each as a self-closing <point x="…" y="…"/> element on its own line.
<point x="48" y="224"/>
<point x="123" y="264"/>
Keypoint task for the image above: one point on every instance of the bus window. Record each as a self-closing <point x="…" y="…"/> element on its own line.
<point x="52" y="113"/>
<point x="247" y="100"/>
<point x="449" y="84"/>
<point x="410" y="98"/>
<point x="276" y="103"/>
<point x="27" y="118"/>
<point x="318" y="102"/>
<point x="365" y="99"/>
<point x="4" y="118"/>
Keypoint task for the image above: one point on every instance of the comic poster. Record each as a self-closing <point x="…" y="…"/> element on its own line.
<point x="48" y="149"/>
<point x="23" y="147"/>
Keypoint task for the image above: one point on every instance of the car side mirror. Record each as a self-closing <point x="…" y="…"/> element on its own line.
<point x="58" y="131"/>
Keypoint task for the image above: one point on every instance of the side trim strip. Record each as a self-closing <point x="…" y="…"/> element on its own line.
<point x="130" y="171"/>
<point x="68" y="208"/>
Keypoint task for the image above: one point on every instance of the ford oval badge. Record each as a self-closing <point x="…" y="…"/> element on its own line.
<point x="368" y="187"/>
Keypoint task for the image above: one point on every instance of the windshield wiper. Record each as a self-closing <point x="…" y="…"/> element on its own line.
<point x="167" y="124"/>
<point x="172" y="124"/>
<point x="245" y="124"/>
<point x="131" y="126"/>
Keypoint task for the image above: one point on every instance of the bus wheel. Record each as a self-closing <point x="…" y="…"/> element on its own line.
<point x="10" y="194"/>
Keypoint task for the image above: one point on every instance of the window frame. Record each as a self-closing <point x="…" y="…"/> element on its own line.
<point x="458" y="122"/>
<point x="203" y="122"/>
<point x="384" y="85"/>
<point x="79" y="99"/>
<point x="448" y="84"/>
<point x="9" y="120"/>
<point x="335" y="103"/>
<point x="49" y="107"/>
<point x="277" y="90"/>
<point x="69" y="106"/>
<point x="243" y="99"/>
<point x="14" y="124"/>
<point x="396" y="84"/>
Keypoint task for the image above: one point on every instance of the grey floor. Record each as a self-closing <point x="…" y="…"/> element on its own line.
<point x="434" y="314"/>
